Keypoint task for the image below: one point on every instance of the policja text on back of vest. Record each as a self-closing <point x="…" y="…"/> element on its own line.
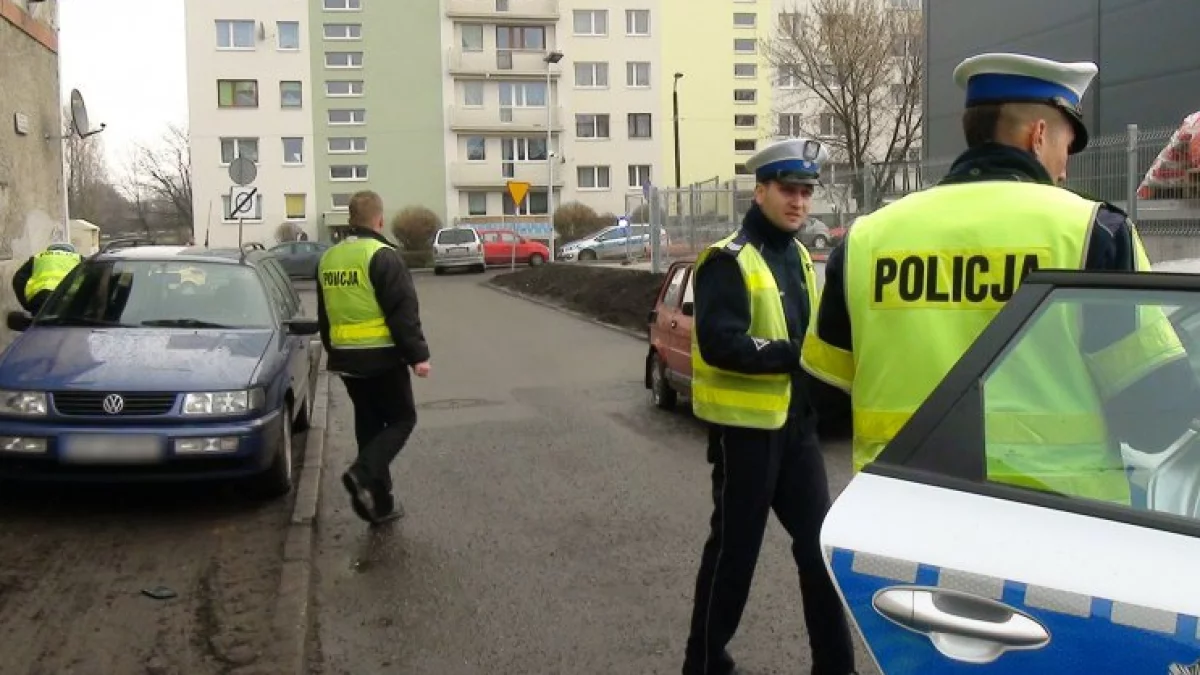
<point x="337" y="278"/>
<point x="952" y="279"/>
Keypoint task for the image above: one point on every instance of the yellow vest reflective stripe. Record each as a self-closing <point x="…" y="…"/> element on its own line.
<point x="355" y="319"/>
<point x="49" y="269"/>
<point x="737" y="399"/>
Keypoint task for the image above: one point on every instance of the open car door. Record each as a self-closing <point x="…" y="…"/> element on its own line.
<point x="947" y="570"/>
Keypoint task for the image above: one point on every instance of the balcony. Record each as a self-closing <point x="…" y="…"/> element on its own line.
<point x="500" y="64"/>
<point x="517" y="12"/>
<point x="491" y="175"/>
<point x="503" y="120"/>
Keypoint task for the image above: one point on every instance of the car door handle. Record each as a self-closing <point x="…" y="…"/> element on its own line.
<point x="961" y="626"/>
<point x="674" y="323"/>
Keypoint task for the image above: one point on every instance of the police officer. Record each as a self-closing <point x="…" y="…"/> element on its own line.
<point x="891" y="326"/>
<point x="371" y="327"/>
<point x="754" y="293"/>
<point x="35" y="280"/>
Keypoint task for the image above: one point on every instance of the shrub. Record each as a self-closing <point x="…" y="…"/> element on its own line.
<point x="287" y="232"/>
<point x="574" y="220"/>
<point x="418" y="259"/>
<point x="414" y="228"/>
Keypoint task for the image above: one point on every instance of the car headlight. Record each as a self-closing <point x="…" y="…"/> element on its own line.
<point x="221" y="402"/>
<point x="24" y="403"/>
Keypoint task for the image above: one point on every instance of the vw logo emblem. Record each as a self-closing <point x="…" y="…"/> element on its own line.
<point x="113" y="404"/>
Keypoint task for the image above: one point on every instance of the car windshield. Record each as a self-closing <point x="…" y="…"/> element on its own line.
<point x="160" y="293"/>
<point x="458" y="236"/>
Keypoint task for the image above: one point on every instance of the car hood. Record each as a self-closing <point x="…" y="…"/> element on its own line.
<point x="133" y="359"/>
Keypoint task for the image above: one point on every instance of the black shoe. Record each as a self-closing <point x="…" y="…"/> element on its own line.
<point x="361" y="499"/>
<point x="388" y="508"/>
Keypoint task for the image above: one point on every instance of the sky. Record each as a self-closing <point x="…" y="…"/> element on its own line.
<point x="127" y="58"/>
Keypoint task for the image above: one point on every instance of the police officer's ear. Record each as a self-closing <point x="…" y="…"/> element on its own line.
<point x="760" y="193"/>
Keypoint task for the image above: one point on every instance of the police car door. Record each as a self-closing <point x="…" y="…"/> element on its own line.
<point x="947" y="570"/>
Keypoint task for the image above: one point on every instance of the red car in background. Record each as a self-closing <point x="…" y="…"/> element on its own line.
<point x="499" y="247"/>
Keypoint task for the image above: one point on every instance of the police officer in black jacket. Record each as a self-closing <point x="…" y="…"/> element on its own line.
<point x="757" y="470"/>
<point x="372" y="333"/>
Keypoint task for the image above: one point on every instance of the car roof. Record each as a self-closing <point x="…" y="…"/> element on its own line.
<point x="230" y="256"/>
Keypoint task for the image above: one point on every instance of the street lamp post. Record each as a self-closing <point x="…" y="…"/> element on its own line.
<point x="551" y="58"/>
<point x="678" y="170"/>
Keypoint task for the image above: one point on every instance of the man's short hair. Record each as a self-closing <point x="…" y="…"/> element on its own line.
<point x="993" y="122"/>
<point x="365" y="207"/>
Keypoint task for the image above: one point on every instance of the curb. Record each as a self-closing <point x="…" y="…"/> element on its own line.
<point x="291" y="618"/>
<point x="627" y="332"/>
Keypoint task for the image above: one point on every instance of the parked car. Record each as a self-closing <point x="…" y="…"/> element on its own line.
<point x="616" y="242"/>
<point x="300" y="258"/>
<point x="160" y="363"/>
<point x="501" y="247"/>
<point x="457" y="247"/>
<point x="815" y="234"/>
<point x="668" y="366"/>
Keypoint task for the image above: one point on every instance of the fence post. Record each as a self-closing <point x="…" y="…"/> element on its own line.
<point x="1132" y="179"/>
<point x="655" y="231"/>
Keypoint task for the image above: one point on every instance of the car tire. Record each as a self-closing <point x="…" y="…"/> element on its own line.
<point x="439" y="271"/>
<point x="276" y="481"/>
<point x="480" y="269"/>
<point x="536" y="260"/>
<point x="587" y="254"/>
<point x="820" y="241"/>
<point x="661" y="393"/>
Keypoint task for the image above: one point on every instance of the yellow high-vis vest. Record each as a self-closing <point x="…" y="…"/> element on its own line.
<point x="738" y="399"/>
<point x="925" y="275"/>
<point x="49" y="269"/>
<point x="355" y="318"/>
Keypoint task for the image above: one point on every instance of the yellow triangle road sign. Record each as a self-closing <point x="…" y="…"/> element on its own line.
<point x="517" y="189"/>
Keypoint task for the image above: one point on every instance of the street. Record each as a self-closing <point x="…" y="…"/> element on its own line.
<point x="555" y="519"/>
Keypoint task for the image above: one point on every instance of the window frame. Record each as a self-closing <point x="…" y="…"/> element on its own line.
<point x="350" y="88"/>
<point x="299" y="87"/>
<point x="283" y="141"/>
<point x="632" y="126"/>
<point x="233" y="93"/>
<point x="593" y="13"/>
<point x="354" y="150"/>
<point x="237" y="142"/>
<point x="350" y="65"/>
<point x="346" y="6"/>
<point x="596" y="68"/>
<point x="631" y="21"/>
<point x="596" y="170"/>
<point x="345" y="35"/>
<point x="631" y="72"/>
<point x="358" y="173"/>
<point x="595" y="126"/>
<point x="279" y="46"/>
<point x="230" y="32"/>
<point x="356" y="120"/>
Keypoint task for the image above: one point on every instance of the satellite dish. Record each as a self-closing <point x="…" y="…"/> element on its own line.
<point x="79" y="114"/>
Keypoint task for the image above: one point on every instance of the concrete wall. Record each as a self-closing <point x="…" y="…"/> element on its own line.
<point x="31" y="187"/>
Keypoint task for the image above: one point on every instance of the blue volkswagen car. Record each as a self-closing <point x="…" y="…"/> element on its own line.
<point x="160" y="363"/>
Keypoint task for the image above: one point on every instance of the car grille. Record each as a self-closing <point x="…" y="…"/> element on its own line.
<point x="89" y="403"/>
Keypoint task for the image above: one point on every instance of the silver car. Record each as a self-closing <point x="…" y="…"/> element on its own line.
<point x="457" y="247"/>
<point x="611" y="243"/>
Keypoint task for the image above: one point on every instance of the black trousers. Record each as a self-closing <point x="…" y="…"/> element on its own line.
<point x="36" y="302"/>
<point x="384" y="418"/>
<point x="755" y="472"/>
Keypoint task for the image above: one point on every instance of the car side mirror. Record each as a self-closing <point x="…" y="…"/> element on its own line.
<point x="302" y="326"/>
<point x="19" y="321"/>
<point x="688" y="309"/>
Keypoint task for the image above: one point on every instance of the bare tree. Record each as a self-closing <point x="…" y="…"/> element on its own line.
<point x="160" y="182"/>
<point x="287" y="232"/>
<point x="855" y="68"/>
<point x="91" y="195"/>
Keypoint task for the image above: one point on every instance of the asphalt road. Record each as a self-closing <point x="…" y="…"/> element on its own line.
<point x="555" y="519"/>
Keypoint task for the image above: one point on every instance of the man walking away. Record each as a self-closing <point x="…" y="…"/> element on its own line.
<point x="371" y="327"/>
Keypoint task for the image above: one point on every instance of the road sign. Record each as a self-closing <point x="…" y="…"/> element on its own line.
<point x="241" y="202"/>
<point x="517" y="189"/>
<point x="243" y="171"/>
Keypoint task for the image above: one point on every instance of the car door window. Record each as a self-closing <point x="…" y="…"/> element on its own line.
<point x="689" y="294"/>
<point x="674" y="288"/>
<point x="509" y="238"/>
<point x="280" y="291"/>
<point x="491" y="237"/>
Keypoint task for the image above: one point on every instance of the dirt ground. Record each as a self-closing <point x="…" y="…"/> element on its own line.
<point x="614" y="295"/>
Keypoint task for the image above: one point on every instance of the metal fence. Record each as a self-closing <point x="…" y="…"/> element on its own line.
<point x="1112" y="168"/>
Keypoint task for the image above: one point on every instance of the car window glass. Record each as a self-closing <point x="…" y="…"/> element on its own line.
<point x="456" y="236"/>
<point x="306" y="247"/>
<point x="509" y="238"/>
<point x="283" y="249"/>
<point x="674" y="288"/>
<point x="689" y="289"/>
<point x="491" y="237"/>
<point x="281" y="288"/>
<point x="611" y="234"/>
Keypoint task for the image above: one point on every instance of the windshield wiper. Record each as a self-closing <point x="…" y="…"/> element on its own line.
<point x="78" y="321"/>
<point x="183" y="323"/>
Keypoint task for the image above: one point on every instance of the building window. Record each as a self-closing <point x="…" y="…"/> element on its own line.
<point x="291" y="94"/>
<point x="237" y="93"/>
<point x="521" y="37"/>
<point x="348" y="172"/>
<point x="295" y="206"/>
<point x="791" y="23"/>
<point x="343" y="31"/>
<point x="639" y="125"/>
<point x="343" y="88"/>
<point x="744" y="145"/>
<point x="745" y="45"/>
<point x="340" y="201"/>
<point x="227" y="209"/>
<point x="293" y="150"/>
<point x="523" y="94"/>
<point x="589" y="125"/>
<point x="637" y="22"/>
<point x="789" y="125"/>
<point x="347" y="145"/>
<point x="350" y="116"/>
<point x="343" y="5"/>
<point x="788" y="80"/>
<point x="637" y="74"/>
<point x="594" y="178"/>
<point x="745" y="95"/>
<point x="477" y="203"/>
<point x="473" y="94"/>
<point x="343" y="59"/>
<point x="639" y="175"/>
<point x="591" y="22"/>
<point x="745" y="19"/>
<point x="535" y="203"/>
<point x="591" y="75"/>
<point x="745" y="121"/>
<point x="288" y="33"/>
<point x="235" y="34"/>
<point x="232" y="148"/>
<point x="741" y="170"/>
<point x="523" y="150"/>
<point x="831" y="125"/>
<point x="476" y="149"/>
<point x="472" y="37"/>
<point x="749" y="70"/>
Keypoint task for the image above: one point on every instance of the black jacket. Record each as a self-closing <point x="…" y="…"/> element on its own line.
<point x="723" y="309"/>
<point x="397" y="297"/>
<point x="20" y="279"/>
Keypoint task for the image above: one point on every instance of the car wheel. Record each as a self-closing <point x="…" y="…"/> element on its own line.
<point x="276" y="481"/>
<point x="587" y="255"/>
<point x="820" y="241"/>
<point x="536" y="259"/>
<point x="439" y="271"/>
<point x="661" y="393"/>
<point x="480" y="269"/>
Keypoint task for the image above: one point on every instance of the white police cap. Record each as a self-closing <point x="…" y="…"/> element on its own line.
<point x="796" y="161"/>
<point x="1019" y="78"/>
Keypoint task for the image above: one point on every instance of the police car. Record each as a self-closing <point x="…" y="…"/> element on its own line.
<point x="946" y="571"/>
